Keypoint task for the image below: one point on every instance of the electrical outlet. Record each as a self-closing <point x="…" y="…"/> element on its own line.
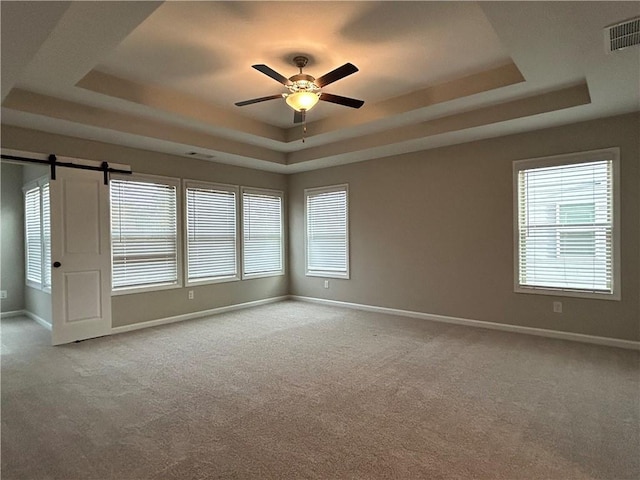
<point x="3" y="294"/>
<point x="557" y="307"/>
<point x="190" y="294"/>
<point x="326" y="284"/>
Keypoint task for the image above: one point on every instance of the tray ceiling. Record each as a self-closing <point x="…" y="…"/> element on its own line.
<point x="164" y="76"/>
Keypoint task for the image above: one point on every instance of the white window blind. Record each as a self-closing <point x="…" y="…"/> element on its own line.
<point x="33" y="235"/>
<point x="212" y="243"/>
<point x="566" y="227"/>
<point x="37" y="234"/>
<point x="46" y="236"/>
<point x="327" y="231"/>
<point x="144" y="239"/>
<point x="262" y="237"/>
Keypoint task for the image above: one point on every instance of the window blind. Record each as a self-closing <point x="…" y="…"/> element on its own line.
<point x="46" y="236"/>
<point x="565" y="222"/>
<point x="327" y="231"/>
<point x="143" y="234"/>
<point x="262" y="233"/>
<point x="211" y="234"/>
<point x="33" y="235"/>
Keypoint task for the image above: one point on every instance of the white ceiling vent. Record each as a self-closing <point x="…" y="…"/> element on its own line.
<point x="622" y="35"/>
<point x="201" y="156"/>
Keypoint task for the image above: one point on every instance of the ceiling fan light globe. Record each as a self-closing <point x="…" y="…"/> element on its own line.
<point x="302" y="100"/>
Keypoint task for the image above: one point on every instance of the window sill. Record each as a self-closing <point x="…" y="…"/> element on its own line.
<point x="210" y="281"/>
<point x="251" y="276"/>
<point x="556" y="292"/>
<point x="144" y="289"/>
<point x="343" y="275"/>
<point x="37" y="286"/>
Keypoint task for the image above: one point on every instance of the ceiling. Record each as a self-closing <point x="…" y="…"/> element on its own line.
<point x="164" y="76"/>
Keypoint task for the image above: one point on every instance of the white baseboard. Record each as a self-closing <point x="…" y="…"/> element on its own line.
<point x="200" y="314"/>
<point x="26" y="313"/>
<point x="38" y="319"/>
<point x="541" y="332"/>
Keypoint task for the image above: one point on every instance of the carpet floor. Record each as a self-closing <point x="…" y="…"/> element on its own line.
<point x="295" y="390"/>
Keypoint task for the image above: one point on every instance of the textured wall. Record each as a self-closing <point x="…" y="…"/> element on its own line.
<point x="134" y="308"/>
<point x="12" y="228"/>
<point x="433" y="231"/>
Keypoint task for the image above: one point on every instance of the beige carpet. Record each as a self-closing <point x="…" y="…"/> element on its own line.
<point x="294" y="390"/>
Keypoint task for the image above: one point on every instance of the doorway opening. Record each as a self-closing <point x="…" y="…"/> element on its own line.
<point x="25" y="244"/>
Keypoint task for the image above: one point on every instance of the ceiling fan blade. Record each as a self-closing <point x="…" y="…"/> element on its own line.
<point x="346" y="101"/>
<point x="334" y="75"/>
<point x="270" y="72"/>
<point x="298" y="117"/>
<point x="256" y="100"/>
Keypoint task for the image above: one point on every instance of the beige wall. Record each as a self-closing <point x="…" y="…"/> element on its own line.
<point x="134" y="308"/>
<point x="33" y="171"/>
<point x="38" y="302"/>
<point x="12" y="241"/>
<point x="432" y="231"/>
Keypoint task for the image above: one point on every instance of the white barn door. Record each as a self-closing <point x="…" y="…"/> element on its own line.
<point x="81" y="256"/>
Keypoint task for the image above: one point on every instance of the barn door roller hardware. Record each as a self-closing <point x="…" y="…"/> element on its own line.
<point x="53" y="162"/>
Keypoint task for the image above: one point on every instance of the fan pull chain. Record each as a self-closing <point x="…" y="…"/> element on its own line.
<point x="304" y="129"/>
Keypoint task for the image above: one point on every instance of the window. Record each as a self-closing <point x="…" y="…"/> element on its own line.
<point x="46" y="236"/>
<point x="33" y="235"/>
<point x="212" y="239"/>
<point x="327" y="231"/>
<point x="566" y="217"/>
<point x="262" y="233"/>
<point x="144" y="233"/>
<point x="37" y="234"/>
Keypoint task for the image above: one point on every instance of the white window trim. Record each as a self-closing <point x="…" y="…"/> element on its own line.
<point x="214" y="186"/>
<point x="322" y="273"/>
<point x="168" y="181"/>
<point x="39" y="183"/>
<point x="612" y="154"/>
<point x="276" y="193"/>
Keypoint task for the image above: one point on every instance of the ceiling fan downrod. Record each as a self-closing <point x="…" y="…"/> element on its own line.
<point x="300" y="61"/>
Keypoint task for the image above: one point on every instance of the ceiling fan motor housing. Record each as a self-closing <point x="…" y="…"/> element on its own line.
<point x="302" y="82"/>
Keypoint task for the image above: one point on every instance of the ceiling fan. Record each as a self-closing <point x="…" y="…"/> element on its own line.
<point x="305" y="90"/>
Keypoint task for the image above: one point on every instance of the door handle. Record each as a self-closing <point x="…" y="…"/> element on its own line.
<point x="57" y="264"/>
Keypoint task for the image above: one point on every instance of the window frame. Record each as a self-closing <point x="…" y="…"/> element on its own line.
<point x="327" y="273"/>
<point x="172" y="181"/>
<point x="45" y="261"/>
<point x="611" y="154"/>
<point x="211" y="186"/>
<point x="266" y="192"/>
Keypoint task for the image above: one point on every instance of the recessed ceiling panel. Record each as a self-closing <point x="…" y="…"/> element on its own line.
<point x="206" y="49"/>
